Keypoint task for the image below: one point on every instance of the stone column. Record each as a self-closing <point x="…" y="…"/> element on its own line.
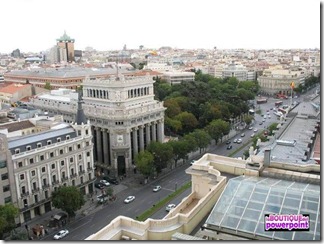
<point x="141" y="138"/>
<point x="105" y="147"/>
<point x="154" y="131"/>
<point x="99" y="146"/>
<point x="135" y="146"/>
<point x="148" y="134"/>
<point x="160" y="133"/>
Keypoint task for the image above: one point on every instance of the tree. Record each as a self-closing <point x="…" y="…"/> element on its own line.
<point x="173" y="108"/>
<point x="144" y="162"/>
<point x="8" y="213"/>
<point x="68" y="198"/>
<point x="218" y="128"/>
<point x="180" y="150"/>
<point x="188" y="121"/>
<point x="202" y="138"/>
<point x="48" y="86"/>
<point x="248" y="119"/>
<point x="162" y="153"/>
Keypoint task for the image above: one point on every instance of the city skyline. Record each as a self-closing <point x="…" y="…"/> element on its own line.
<point x="109" y="25"/>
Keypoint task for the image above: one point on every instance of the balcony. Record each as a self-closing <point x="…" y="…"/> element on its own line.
<point x="81" y="172"/>
<point x="46" y="186"/>
<point x="24" y="194"/>
<point x="35" y="190"/>
<point x="64" y="179"/>
<point x="56" y="182"/>
<point x="73" y="175"/>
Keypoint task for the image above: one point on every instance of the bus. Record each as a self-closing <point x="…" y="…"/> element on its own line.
<point x="262" y="100"/>
<point x="282" y="110"/>
<point x="277" y="104"/>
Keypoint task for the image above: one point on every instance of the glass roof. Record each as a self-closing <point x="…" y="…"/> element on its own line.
<point x="245" y="200"/>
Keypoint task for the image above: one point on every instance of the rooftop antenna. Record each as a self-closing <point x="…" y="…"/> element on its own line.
<point x="117" y="78"/>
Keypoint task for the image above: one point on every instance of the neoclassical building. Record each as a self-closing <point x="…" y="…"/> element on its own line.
<point x="124" y="116"/>
<point x="40" y="155"/>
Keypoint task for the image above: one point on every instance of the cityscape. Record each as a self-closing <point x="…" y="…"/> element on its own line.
<point x="163" y="143"/>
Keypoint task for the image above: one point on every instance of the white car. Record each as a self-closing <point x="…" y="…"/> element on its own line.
<point x="255" y="130"/>
<point x="170" y="206"/>
<point x="235" y="140"/>
<point x="251" y="128"/>
<point x="129" y="199"/>
<point x="105" y="183"/>
<point x="252" y="135"/>
<point x="157" y="188"/>
<point x="61" y="234"/>
<point x="239" y="141"/>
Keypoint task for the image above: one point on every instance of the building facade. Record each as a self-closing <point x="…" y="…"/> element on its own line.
<point x="66" y="45"/>
<point x="124" y="116"/>
<point x="41" y="159"/>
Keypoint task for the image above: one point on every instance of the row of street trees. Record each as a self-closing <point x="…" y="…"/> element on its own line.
<point x="196" y="113"/>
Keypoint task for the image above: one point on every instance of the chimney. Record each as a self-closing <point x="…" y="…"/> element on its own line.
<point x="266" y="159"/>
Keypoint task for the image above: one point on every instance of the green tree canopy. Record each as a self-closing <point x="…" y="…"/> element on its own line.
<point x="48" y="86"/>
<point x="144" y="162"/>
<point x="68" y="198"/>
<point x="8" y="213"/>
<point x="180" y="149"/>
<point x="218" y="128"/>
<point x="188" y="121"/>
<point x="162" y="153"/>
<point x="202" y="138"/>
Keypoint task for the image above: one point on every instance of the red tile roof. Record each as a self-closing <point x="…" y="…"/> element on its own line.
<point x="13" y="88"/>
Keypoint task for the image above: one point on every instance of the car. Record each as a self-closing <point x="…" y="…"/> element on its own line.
<point x="111" y="180"/>
<point x="170" y="206"/>
<point x="261" y="123"/>
<point x="242" y="135"/>
<point x="105" y="183"/>
<point x="229" y="147"/>
<point x="157" y="188"/>
<point x="263" y="120"/>
<point x="252" y="135"/>
<point x="255" y="130"/>
<point x="99" y="186"/>
<point x="129" y="199"/>
<point x="271" y="108"/>
<point x="239" y="141"/>
<point x="61" y="234"/>
<point x="235" y="140"/>
<point x="228" y="142"/>
<point x="250" y="128"/>
<point x="269" y="116"/>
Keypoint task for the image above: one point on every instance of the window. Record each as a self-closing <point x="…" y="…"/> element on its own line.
<point x="80" y="156"/>
<point x="87" y="132"/>
<point x="28" y="148"/>
<point x="53" y="166"/>
<point x="6" y="188"/>
<point x="34" y="185"/>
<point x="61" y="151"/>
<point x="87" y="143"/>
<point x="46" y="194"/>
<point x="73" y="182"/>
<point x="62" y="163"/>
<point x="51" y="154"/>
<point x="22" y="176"/>
<point x="36" y="198"/>
<point x="33" y="173"/>
<point x="23" y="190"/>
<point x="58" y="139"/>
<point x="17" y="151"/>
<point x="70" y="149"/>
<point x="88" y="154"/>
<point x="44" y="182"/>
<point x="49" y="142"/>
<point x="20" y="164"/>
<point x="31" y="160"/>
<point x="54" y="178"/>
<point x="43" y="169"/>
<point x="4" y="176"/>
<point x="67" y="137"/>
<point x="79" y="146"/>
<point x="71" y="160"/>
<point x="42" y="157"/>
<point x="3" y="164"/>
<point x="7" y="200"/>
<point x="39" y="144"/>
<point x="81" y="179"/>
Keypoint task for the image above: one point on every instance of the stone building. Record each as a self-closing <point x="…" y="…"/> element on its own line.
<point x="39" y="155"/>
<point x="124" y="116"/>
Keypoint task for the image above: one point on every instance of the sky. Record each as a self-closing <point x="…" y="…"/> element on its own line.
<point x="34" y="25"/>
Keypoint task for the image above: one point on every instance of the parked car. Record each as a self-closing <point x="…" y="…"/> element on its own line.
<point x="105" y="183"/>
<point x="61" y="234"/>
<point x="170" y="206"/>
<point x="255" y="130"/>
<point x="235" y="140"/>
<point x="157" y="188"/>
<point x="252" y="135"/>
<point x="99" y="186"/>
<point x="239" y="141"/>
<point x="228" y="142"/>
<point x="261" y="123"/>
<point x="242" y="135"/>
<point x="229" y="147"/>
<point x="250" y="128"/>
<point x="111" y="180"/>
<point x="129" y="199"/>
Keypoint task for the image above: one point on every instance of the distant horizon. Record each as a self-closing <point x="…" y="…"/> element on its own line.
<point x="34" y="25"/>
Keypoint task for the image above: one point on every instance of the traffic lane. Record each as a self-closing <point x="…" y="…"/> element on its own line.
<point x="161" y="213"/>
